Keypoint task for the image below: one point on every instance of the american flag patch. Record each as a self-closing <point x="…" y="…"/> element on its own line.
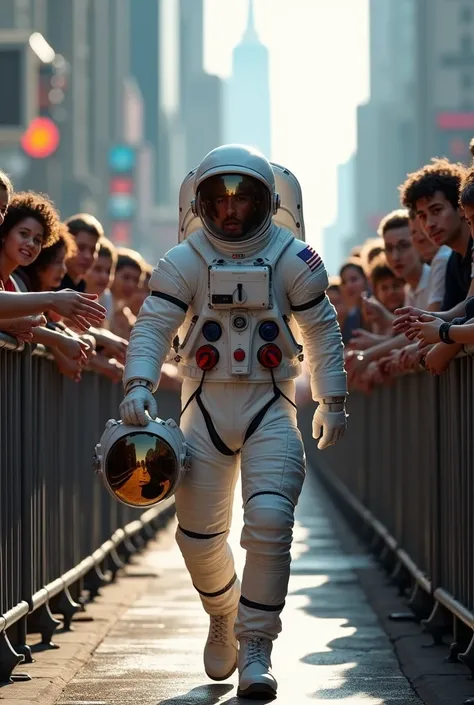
<point x="311" y="257"/>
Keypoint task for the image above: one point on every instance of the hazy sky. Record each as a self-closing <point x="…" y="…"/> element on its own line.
<point x="318" y="74"/>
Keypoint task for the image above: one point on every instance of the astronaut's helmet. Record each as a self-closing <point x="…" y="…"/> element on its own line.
<point x="235" y="193"/>
<point x="141" y="465"/>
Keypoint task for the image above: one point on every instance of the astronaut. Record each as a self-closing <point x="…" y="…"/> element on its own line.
<point x="231" y="290"/>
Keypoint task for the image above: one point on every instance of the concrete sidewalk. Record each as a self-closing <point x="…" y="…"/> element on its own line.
<point x="332" y="647"/>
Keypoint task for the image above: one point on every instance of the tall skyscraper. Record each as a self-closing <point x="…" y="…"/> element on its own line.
<point x="145" y="68"/>
<point x="386" y="148"/>
<point x="247" y="92"/>
<point x="201" y="99"/>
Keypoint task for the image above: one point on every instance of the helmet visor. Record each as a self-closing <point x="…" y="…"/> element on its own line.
<point x="141" y="469"/>
<point x="233" y="207"/>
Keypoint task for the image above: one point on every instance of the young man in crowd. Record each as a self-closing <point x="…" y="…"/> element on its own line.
<point x="433" y="329"/>
<point x="433" y="193"/>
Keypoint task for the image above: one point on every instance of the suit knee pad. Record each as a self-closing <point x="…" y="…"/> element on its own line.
<point x="268" y="525"/>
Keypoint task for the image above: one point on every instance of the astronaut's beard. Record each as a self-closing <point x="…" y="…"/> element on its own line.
<point x="233" y="227"/>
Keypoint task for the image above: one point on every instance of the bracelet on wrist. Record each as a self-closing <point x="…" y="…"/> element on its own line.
<point x="444" y="333"/>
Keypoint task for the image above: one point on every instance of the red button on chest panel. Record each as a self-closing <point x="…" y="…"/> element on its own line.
<point x="239" y="355"/>
<point x="269" y="356"/>
<point x="207" y="357"/>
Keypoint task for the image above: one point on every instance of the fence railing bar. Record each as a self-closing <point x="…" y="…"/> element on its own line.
<point x="455" y="607"/>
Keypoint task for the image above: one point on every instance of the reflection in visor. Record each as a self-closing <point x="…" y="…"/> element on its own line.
<point x="233" y="206"/>
<point x="141" y="469"/>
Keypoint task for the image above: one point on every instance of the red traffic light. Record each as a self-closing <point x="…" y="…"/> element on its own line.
<point x="41" y="139"/>
<point x="207" y="357"/>
<point x="269" y="356"/>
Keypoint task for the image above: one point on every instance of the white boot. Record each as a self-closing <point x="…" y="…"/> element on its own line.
<point x="221" y="650"/>
<point x="255" y="677"/>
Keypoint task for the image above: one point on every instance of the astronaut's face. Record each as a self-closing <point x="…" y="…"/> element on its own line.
<point x="232" y="212"/>
<point x="233" y="206"/>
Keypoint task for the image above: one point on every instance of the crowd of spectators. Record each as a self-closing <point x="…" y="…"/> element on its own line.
<point x="405" y="300"/>
<point x="65" y="286"/>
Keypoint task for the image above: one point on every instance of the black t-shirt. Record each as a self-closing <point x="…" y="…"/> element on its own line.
<point x="458" y="278"/>
<point x="67" y="283"/>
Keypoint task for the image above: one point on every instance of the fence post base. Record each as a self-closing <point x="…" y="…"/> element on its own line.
<point x="42" y="621"/>
<point x="64" y="605"/>
<point x="9" y="659"/>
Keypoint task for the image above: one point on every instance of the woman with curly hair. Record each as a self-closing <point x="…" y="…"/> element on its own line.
<point x="30" y="223"/>
<point x="47" y="271"/>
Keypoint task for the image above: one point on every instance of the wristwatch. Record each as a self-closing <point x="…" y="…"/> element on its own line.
<point x="334" y="403"/>
<point x="444" y="333"/>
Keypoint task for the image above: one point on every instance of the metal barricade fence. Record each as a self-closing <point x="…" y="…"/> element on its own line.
<point x="60" y="530"/>
<point x="405" y="473"/>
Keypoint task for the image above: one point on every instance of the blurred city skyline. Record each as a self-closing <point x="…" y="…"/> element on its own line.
<point x="350" y="95"/>
<point x="319" y="54"/>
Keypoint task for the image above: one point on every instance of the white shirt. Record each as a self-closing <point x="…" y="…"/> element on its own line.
<point x="437" y="280"/>
<point x="419" y="297"/>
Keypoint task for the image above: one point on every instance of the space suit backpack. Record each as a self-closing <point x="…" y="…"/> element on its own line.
<point x="141" y="466"/>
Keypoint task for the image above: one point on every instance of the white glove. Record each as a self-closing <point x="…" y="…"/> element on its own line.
<point x="132" y="409"/>
<point x="328" y="426"/>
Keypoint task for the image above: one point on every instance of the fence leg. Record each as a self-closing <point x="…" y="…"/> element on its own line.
<point x="138" y="542"/>
<point x="76" y="590"/>
<point x="420" y="603"/>
<point x="93" y="581"/>
<point x="467" y="658"/>
<point x="64" y="605"/>
<point x="18" y="637"/>
<point x="126" y="549"/>
<point x="401" y="578"/>
<point x="43" y="622"/>
<point x="438" y="624"/>
<point x="115" y="564"/>
<point x="461" y="637"/>
<point x="387" y="558"/>
<point x="9" y="659"/>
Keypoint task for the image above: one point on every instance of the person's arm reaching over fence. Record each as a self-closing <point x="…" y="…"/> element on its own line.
<point x="82" y="309"/>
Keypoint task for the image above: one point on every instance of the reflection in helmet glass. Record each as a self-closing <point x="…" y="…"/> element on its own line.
<point x="233" y="207"/>
<point x="141" y="469"/>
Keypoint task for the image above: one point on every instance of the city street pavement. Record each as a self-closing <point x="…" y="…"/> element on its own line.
<point x="332" y="646"/>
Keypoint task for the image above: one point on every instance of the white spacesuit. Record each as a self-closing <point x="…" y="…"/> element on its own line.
<point x="232" y="288"/>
